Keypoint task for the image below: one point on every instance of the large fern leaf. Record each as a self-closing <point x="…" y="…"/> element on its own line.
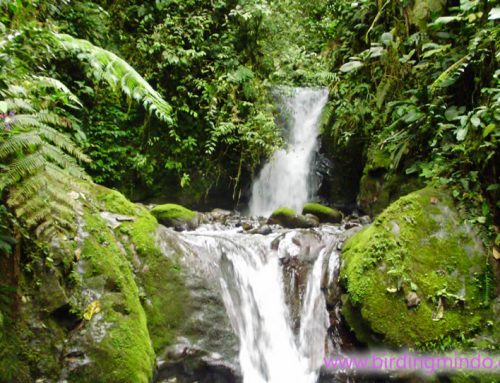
<point x="118" y="73"/>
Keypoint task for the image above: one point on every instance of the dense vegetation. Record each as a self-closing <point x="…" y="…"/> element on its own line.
<point x="173" y="100"/>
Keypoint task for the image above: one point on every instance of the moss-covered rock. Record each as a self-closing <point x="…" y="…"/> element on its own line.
<point x="176" y="216"/>
<point x="417" y="244"/>
<point x="287" y="217"/>
<point x="324" y="213"/>
<point x="115" y="336"/>
<point x="159" y="277"/>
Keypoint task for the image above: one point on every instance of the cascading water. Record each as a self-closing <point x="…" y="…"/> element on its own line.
<point x="274" y="286"/>
<point x="252" y="270"/>
<point x="285" y="179"/>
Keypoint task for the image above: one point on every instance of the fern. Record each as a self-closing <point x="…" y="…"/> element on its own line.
<point x="118" y="73"/>
<point x="40" y="162"/>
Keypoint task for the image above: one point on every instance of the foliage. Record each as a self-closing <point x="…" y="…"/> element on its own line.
<point x="38" y="127"/>
<point x="421" y="82"/>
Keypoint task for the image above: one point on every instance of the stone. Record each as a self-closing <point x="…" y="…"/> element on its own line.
<point x="288" y="218"/>
<point x="325" y="214"/>
<point x="262" y="230"/>
<point x="430" y="247"/>
<point x="176" y="216"/>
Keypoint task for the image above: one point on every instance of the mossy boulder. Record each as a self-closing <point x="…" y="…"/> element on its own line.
<point x="324" y="213"/>
<point x="114" y="335"/>
<point x="418" y="244"/>
<point x="287" y="217"/>
<point x="176" y="216"/>
<point x="165" y="296"/>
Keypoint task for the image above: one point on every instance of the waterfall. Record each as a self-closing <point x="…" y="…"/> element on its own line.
<point x="259" y="299"/>
<point x="273" y="286"/>
<point x="285" y="179"/>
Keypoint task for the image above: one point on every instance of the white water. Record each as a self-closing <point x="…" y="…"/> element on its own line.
<point x="285" y="179"/>
<point x="251" y="277"/>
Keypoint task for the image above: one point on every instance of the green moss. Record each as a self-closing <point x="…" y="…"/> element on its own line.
<point x="415" y="244"/>
<point x="324" y="213"/>
<point x="284" y="212"/>
<point x="125" y="353"/>
<point x="172" y="211"/>
<point x="161" y="280"/>
<point x="159" y="276"/>
<point x="113" y="201"/>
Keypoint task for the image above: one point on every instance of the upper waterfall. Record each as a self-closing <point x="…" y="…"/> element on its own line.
<point x="284" y="180"/>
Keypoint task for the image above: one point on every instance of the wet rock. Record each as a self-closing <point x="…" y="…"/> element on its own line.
<point x="246" y="226"/>
<point x="262" y="230"/>
<point x="176" y="216"/>
<point x="220" y="215"/>
<point x="365" y="220"/>
<point x="350" y="224"/>
<point x="312" y="220"/>
<point x="324" y="213"/>
<point x="288" y="218"/>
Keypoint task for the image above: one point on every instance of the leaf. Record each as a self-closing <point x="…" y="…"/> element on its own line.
<point x="488" y="129"/>
<point x="461" y="133"/>
<point x="494" y="14"/>
<point x="453" y="112"/>
<point x="475" y="121"/>
<point x="439" y="313"/>
<point x="350" y="66"/>
<point x="386" y="38"/>
<point x="446" y="20"/>
<point x="4" y="107"/>
<point x="91" y="310"/>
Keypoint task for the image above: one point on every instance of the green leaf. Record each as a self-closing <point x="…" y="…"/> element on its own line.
<point x="475" y="121"/>
<point x="4" y="107"/>
<point x="488" y="129"/>
<point x="350" y="66"/>
<point x="461" y="133"/>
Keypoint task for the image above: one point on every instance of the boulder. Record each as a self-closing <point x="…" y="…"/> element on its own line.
<point x="175" y="216"/>
<point x="418" y="253"/>
<point x="324" y="213"/>
<point x="288" y="218"/>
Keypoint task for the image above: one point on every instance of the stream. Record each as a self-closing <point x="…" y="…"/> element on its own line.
<point x="265" y="303"/>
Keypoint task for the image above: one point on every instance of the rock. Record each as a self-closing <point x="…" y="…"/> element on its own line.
<point x="246" y="226"/>
<point x="412" y="299"/>
<point x="262" y="230"/>
<point x="324" y="213"/>
<point x="288" y="218"/>
<point x="427" y="245"/>
<point x="365" y="220"/>
<point x="350" y="224"/>
<point x="220" y="215"/>
<point x="176" y="216"/>
<point x="312" y="220"/>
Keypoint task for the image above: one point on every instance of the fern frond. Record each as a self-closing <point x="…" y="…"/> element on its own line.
<point x="23" y="167"/>
<point x="50" y="82"/>
<point x="118" y="73"/>
<point x="451" y="74"/>
<point x="19" y="142"/>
